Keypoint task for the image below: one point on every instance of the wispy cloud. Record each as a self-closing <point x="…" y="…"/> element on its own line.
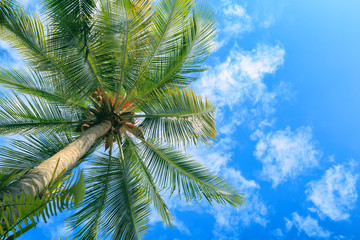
<point x="334" y="195"/>
<point x="278" y="233"/>
<point x="235" y="10"/>
<point x="286" y="154"/>
<point x="236" y="20"/>
<point x="240" y="77"/>
<point x="308" y="225"/>
<point x="230" y="221"/>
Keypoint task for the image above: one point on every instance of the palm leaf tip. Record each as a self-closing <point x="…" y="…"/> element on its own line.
<point x="177" y="171"/>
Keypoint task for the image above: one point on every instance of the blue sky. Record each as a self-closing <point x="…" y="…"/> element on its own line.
<point x="284" y="76"/>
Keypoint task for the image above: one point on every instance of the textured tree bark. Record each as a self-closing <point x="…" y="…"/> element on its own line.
<point x="33" y="182"/>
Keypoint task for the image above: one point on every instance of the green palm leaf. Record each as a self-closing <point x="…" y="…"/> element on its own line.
<point x="177" y="171"/>
<point x="121" y="38"/>
<point x="70" y="38"/>
<point x="132" y="153"/>
<point x="71" y="21"/>
<point x="33" y="83"/>
<point x="165" y="28"/>
<point x="188" y="54"/>
<point x="20" y="214"/>
<point x="87" y="219"/>
<point x="30" y="114"/>
<point x="135" y="213"/>
<point x="115" y="203"/>
<point x="44" y="51"/>
<point x="178" y="115"/>
<point x="24" y="31"/>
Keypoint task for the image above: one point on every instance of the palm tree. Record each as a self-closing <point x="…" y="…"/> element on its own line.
<point x="110" y="77"/>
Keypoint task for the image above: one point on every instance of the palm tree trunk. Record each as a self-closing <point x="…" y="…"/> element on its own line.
<point x="33" y="182"/>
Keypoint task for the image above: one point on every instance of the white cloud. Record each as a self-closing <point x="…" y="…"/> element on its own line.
<point x="307" y="225"/>
<point x="334" y="195"/>
<point x="240" y="77"/>
<point x="236" y="20"/>
<point x="213" y="160"/>
<point x="267" y="13"/>
<point x="182" y="227"/>
<point x="228" y="219"/>
<point x="286" y="154"/>
<point x="60" y="230"/>
<point x="217" y="44"/>
<point x="235" y="10"/>
<point x="231" y="124"/>
<point x="268" y="21"/>
<point x="173" y="203"/>
<point x="278" y="233"/>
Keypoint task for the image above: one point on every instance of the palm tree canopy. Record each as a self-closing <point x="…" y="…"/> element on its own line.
<point x="130" y="62"/>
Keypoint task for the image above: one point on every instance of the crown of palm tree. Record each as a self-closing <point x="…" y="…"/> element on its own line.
<point x="120" y="70"/>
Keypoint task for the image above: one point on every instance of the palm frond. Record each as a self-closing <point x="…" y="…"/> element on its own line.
<point x="6" y="177"/>
<point x="71" y="21"/>
<point x="114" y="205"/>
<point x="178" y="67"/>
<point x="88" y="218"/>
<point x="33" y="83"/>
<point x="135" y="201"/>
<point x="25" y="32"/>
<point x="70" y="36"/>
<point x="178" y="115"/>
<point x="20" y="214"/>
<point x="120" y="38"/>
<point x="20" y="114"/>
<point x="176" y="171"/>
<point x="132" y="153"/>
<point x="166" y="27"/>
<point x="200" y="38"/>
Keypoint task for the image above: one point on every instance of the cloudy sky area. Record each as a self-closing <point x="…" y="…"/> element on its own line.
<point x="284" y="76"/>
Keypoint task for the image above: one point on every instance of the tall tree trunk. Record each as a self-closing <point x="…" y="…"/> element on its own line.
<point x="39" y="177"/>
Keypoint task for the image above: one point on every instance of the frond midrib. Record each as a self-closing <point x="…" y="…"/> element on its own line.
<point x="184" y="171"/>
<point x="173" y="114"/>
<point x="43" y="92"/>
<point x="151" y="182"/>
<point x="151" y="57"/>
<point x="125" y="185"/>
